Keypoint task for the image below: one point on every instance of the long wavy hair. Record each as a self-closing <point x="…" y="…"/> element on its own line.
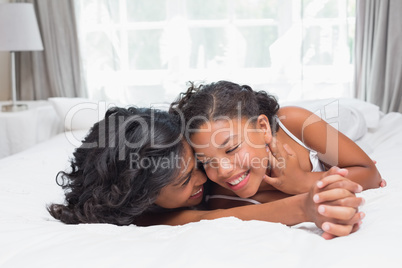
<point x="223" y="99"/>
<point x="114" y="177"/>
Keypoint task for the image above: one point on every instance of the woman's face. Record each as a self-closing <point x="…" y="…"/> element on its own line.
<point x="187" y="189"/>
<point x="233" y="152"/>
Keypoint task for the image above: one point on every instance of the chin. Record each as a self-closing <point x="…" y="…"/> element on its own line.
<point x="246" y="193"/>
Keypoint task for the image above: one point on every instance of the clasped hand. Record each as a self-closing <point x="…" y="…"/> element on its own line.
<point x="330" y="203"/>
<point x="333" y="206"/>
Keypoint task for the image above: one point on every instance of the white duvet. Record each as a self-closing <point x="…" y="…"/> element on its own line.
<point x="30" y="237"/>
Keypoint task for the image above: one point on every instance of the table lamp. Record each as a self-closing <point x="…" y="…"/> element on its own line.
<point x="19" y="31"/>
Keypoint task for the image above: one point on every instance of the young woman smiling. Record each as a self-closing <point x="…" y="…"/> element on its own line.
<point x="117" y="177"/>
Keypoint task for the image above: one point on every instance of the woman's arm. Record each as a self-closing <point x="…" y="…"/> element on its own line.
<point x="334" y="148"/>
<point x="290" y="211"/>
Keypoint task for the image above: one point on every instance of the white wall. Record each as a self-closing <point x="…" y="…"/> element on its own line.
<point x="5" y="80"/>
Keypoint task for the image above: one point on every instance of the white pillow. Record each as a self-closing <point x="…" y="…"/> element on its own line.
<point x="79" y="113"/>
<point x="370" y="112"/>
<point x="352" y="117"/>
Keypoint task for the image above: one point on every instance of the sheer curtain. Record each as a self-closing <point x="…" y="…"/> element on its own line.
<point x="378" y="53"/>
<point x="143" y="52"/>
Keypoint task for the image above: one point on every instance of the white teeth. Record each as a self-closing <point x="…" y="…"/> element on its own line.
<point x="199" y="191"/>
<point x="237" y="181"/>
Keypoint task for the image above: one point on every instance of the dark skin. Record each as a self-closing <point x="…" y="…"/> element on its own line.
<point x="290" y="211"/>
<point x="339" y="218"/>
<point x="334" y="149"/>
<point x="219" y="143"/>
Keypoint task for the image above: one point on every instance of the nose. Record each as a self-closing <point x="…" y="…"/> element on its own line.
<point x="225" y="168"/>
<point x="200" y="178"/>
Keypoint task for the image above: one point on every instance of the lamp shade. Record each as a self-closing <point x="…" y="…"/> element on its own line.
<point x="19" y="29"/>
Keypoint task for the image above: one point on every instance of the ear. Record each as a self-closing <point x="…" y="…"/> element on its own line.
<point x="263" y="124"/>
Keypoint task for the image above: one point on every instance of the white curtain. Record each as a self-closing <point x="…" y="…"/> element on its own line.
<point x="379" y="54"/>
<point x="144" y="52"/>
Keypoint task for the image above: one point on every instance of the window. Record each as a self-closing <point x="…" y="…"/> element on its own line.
<point x="141" y="52"/>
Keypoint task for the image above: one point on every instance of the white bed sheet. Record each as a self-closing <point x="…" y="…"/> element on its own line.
<point x="30" y="237"/>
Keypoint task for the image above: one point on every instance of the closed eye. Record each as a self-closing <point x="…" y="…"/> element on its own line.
<point x="233" y="149"/>
<point x="187" y="180"/>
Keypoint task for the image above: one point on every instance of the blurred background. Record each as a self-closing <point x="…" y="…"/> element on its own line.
<point x="141" y="52"/>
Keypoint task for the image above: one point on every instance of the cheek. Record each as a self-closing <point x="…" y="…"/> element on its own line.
<point x="173" y="199"/>
<point x="255" y="141"/>
<point x="241" y="158"/>
<point x="211" y="174"/>
<point x="252" y="158"/>
<point x="183" y="195"/>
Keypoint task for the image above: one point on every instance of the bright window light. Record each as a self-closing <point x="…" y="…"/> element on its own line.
<point x="143" y="52"/>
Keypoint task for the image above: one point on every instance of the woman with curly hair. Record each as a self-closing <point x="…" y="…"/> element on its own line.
<point x="134" y="167"/>
<point x="124" y="163"/>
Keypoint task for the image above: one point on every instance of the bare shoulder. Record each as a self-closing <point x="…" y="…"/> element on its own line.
<point x="292" y="113"/>
<point x="296" y="118"/>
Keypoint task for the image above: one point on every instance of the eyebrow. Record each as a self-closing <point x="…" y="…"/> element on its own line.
<point x="183" y="179"/>
<point x="227" y="140"/>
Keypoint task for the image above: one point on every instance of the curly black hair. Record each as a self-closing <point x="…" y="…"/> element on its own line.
<point x="223" y="99"/>
<point x="106" y="183"/>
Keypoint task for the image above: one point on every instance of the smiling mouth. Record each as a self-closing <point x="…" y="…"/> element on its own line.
<point x="196" y="193"/>
<point x="238" y="180"/>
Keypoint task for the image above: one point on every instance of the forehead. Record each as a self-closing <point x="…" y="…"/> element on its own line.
<point x="220" y="130"/>
<point x="187" y="151"/>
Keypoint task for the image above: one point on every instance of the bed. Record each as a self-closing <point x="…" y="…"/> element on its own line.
<point x="30" y="237"/>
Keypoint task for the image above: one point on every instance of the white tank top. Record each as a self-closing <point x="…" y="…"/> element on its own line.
<point x="316" y="164"/>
